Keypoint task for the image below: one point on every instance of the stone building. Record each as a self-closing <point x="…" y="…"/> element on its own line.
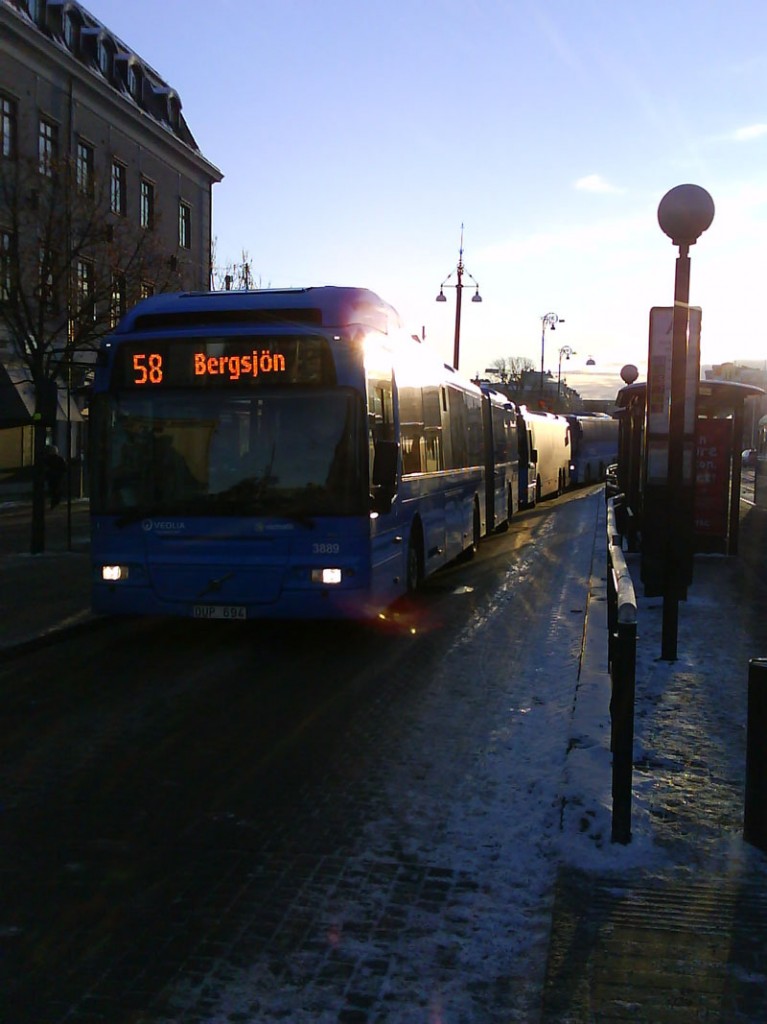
<point x="72" y="92"/>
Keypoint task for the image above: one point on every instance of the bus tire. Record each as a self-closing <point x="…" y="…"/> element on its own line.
<point x="538" y="490"/>
<point x="414" y="568"/>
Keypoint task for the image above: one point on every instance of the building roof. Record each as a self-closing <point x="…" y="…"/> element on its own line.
<point x="71" y="27"/>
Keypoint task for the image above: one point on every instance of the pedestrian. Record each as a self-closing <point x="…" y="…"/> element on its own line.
<point x="55" y="468"/>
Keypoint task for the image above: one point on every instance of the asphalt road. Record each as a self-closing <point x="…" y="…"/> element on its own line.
<point x="168" y="786"/>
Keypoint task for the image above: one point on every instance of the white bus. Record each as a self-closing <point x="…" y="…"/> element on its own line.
<point x="550" y="453"/>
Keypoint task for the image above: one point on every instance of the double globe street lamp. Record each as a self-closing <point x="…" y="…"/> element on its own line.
<point x="549" y="320"/>
<point x="460" y="271"/>
<point x="567" y="352"/>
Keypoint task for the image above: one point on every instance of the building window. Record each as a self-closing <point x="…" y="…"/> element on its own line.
<point x="104" y="57"/>
<point x="70" y="32"/>
<point x="84" y="168"/>
<point x="146" y="289"/>
<point x="47" y="146"/>
<point x="147" y="204"/>
<point x="118" y="195"/>
<point x="6" y="265"/>
<point x="33" y="6"/>
<point x="117" y="308"/>
<point x="184" y="225"/>
<point x="84" y="288"/>
<point x="8" y="122"/>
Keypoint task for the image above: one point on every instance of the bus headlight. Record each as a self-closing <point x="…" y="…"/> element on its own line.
<point x="328" y="577"/>
<point x="112" y="573"/>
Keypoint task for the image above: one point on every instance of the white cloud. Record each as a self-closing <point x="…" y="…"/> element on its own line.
<point x="596" y="183"/>
<point x="751" y="131"/>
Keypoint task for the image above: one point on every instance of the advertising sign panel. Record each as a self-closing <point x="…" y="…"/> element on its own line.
<point x="712" y="478"/>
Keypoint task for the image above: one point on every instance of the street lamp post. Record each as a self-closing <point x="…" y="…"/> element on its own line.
<point x="549" y="320"/>
<point x="684" y="214"/>
<point x="565" y="351"/>
<point x="460" y="271"/>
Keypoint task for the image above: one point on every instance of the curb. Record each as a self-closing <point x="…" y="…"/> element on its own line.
<point x="80" y="622"/>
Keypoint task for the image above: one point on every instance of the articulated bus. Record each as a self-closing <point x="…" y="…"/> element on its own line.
<point x="279" y="453"/>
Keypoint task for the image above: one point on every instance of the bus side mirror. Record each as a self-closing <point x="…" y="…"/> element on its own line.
<point x="534" y="455"/>
<point x="385" y="461"/>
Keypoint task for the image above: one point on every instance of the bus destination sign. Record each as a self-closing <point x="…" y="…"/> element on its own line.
<point x="220" y="363"/>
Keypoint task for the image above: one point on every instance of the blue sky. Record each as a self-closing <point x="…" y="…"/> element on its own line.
<point x="356" y="136"/>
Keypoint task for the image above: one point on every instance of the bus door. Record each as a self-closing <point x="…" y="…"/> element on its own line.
<point x="387" y="558"/>
<point x="527" y="467"/>
<point x="459" y="504"/>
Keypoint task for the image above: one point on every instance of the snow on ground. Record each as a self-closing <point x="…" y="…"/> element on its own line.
<point x="689" y="737"/>
<point x="521" y="746"/>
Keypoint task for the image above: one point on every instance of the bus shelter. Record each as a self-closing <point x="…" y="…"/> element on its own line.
<point x="718" y="445"/>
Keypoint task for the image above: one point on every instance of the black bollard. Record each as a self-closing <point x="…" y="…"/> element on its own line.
<point x="755" y="813"/>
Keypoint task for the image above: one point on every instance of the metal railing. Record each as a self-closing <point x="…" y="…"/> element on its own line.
<point x="621" y="659"/>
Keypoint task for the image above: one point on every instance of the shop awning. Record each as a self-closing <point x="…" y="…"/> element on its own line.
<point x="17" y="399"/>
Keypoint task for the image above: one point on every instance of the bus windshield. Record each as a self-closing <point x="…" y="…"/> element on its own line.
<point x="296" y="453"/>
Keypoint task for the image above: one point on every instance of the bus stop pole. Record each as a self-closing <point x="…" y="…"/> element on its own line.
<point x="677" y="529"/>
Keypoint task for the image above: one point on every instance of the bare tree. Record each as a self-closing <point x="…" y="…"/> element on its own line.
<point x="499" y="368"/>
<point x="71" y="264"/>
<point x="234" y="275"/>
<point x="517" y="367"/>
<point x="510" y="370"/>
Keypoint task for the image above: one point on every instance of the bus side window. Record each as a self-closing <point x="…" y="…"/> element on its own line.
<point x="380" y="413"/>
<point x="432" y="424"/>
<point x="411" y="428"/>
<point x="381" y="410"/>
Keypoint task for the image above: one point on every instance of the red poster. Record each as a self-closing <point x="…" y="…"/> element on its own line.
<point x="712" y="476"/>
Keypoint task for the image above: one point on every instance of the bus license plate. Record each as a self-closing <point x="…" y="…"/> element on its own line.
<point x="218" y="611"/>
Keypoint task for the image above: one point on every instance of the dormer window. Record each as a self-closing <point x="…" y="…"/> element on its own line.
<point x="104" y="57"/>
<point x="33" y="8"/>
<point x="132" y="81"/>
<point x="174" y="110"/>
<point x="70" y="32"/>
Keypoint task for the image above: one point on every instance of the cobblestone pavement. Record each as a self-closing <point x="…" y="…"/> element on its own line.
<point x="444" y="879"/>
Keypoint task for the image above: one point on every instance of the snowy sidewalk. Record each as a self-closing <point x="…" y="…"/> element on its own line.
<point x="673" y="926"/>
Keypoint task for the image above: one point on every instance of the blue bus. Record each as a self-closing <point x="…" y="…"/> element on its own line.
<point x="277" y="454"/>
